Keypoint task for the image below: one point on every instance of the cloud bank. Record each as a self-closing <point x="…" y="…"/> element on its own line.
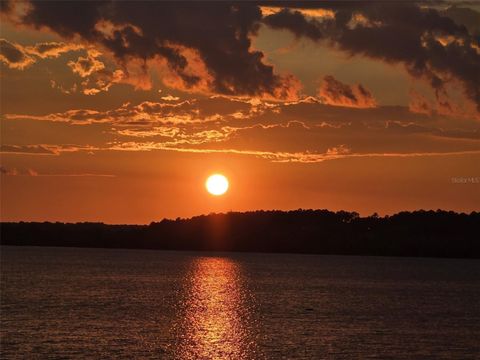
<point x="207" y="46"/>
<point x="303" y="131"/>
<point x="428" y="43"/>
<point x="204" y="45"/>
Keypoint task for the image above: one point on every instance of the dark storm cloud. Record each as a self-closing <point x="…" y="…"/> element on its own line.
<point x="207" y="45"/>
<point x="430" y="45"/>
<point x="296" y="23"/>
<point x="465" y="16"/>
<point x="220" y="32"/>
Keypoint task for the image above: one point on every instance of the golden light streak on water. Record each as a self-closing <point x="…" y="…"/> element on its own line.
<point x="217" y="318"/>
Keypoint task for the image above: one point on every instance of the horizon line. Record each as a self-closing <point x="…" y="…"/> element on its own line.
<point x="178" y="218"/>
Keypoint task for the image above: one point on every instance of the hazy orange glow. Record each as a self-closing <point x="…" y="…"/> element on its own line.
<point x="217" y="184"/>
<point x="127" y="131"/>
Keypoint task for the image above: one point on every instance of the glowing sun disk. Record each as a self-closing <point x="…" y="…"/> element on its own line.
<point x="217" y="184"/>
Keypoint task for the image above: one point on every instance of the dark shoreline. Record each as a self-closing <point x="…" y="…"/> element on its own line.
<point x="406" y="234"/>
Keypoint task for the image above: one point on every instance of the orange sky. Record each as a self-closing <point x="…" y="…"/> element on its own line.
<point x="290" y="104"/>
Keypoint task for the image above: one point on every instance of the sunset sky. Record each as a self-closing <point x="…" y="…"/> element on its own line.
<point x="119" y="111"/>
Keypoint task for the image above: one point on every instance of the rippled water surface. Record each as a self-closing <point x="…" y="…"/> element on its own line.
<point x="96" y="303"/>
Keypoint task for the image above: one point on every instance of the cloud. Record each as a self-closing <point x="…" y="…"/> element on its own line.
<point x="86" y="66"/>
<point x="146" y="113"/>
<point x="170" y="98"/>
<point x="317" y="13"/>
<point x="43" y="149"/>
<point x="339" y="150"/>
<point x="306" y="131"/>
<point x="397" y="32"/>
<point x="282" y="156"/>
<point x="31" y="172"/>
<point x="78" y="175"/>
<point x="93" y="72"/>
<point x="464" y="16"/>
<point x="207" y="47"/>
<point x="334" y="92"/>
<point x="17" y="172"/>
<point x="52" y="49"/>
<point x="419" y="103"/>
<point x="203" y="143"/>
<point x="202" y="44"/>
<point x="4" y="170"/>
<point x="296" y="22"/>
<point x="96" y="77"/>
<point x="412" y="128"/>
<point x="14" y="56"/>
<point x="27" y="149"/>
<point x="442" y="105"/>
<point x="101" y="80"/>
<point x="64" y="90"/>
<point x="19" y="57"/>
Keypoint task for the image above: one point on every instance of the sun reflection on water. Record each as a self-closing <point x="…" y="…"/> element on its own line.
<point x="217" y="314"/>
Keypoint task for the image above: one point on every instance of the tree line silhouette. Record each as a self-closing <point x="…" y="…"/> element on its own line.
<point x="419" y="233"/>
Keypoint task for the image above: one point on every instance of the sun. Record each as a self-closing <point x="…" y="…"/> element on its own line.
<point x="217" y="184"/>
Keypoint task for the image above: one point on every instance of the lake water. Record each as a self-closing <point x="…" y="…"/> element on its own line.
<point x="97" y="303"/>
